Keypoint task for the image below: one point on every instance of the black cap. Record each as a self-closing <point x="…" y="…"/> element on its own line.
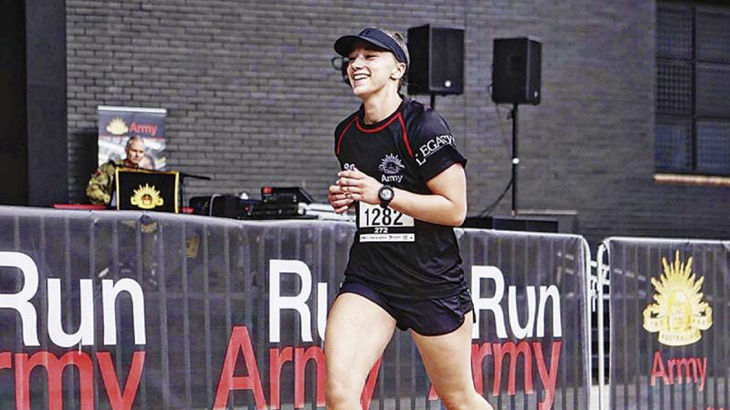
<point x="374" y="36"/>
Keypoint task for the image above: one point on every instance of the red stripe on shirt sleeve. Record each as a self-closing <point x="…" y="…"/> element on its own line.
<point x="339" y="139"/>
<point x="405" y="135"/>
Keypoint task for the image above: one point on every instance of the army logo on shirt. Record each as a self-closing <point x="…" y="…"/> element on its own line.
<point x="391" y="164"/>
<point x="391" y="167"/>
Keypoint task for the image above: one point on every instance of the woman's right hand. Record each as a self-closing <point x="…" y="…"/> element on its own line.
<point x="339" y="200"/>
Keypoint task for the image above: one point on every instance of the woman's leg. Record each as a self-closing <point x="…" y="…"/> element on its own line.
<point x="447" y="359"/>
<point x="358" y="330"/>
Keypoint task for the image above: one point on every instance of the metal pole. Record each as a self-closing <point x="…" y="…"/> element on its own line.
<point x="601" y="273"/>
<point x="515" y="159"/>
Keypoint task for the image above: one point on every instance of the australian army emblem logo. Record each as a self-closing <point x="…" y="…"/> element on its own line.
<point x="147" y="197"/>
<point x="391" y="165"/>
<point x="117" y="127"/>
<point x="679" y="313"/>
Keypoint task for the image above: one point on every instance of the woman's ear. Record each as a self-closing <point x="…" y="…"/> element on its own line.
<point x="398" y="71"/>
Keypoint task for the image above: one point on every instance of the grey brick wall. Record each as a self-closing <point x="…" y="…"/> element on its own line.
<point x="253" y="100"/>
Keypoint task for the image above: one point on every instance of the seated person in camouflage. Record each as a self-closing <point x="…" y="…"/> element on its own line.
<point x="101" y="185"/>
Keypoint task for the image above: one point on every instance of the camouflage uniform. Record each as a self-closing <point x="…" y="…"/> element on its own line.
<point x="101" y="185"/>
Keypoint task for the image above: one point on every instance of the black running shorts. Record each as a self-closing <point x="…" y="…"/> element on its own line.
<point x="430" y="317"/>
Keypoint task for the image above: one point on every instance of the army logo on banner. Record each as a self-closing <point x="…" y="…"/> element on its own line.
<point x="117" y="127"/>
<point x="679" y="313"/>
<point x="147" y="197"/>
<point x="147" y="190"/>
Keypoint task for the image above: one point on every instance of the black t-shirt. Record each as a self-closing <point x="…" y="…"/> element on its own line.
<point x="392" y="252"/>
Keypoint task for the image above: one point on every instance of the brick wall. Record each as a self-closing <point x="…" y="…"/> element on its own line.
<point x="253" y="100"/>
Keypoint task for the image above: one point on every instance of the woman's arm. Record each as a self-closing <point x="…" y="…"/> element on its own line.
<point x="446" y="205"/>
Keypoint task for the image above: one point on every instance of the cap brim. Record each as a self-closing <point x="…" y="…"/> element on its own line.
<point x="344" y="44"/>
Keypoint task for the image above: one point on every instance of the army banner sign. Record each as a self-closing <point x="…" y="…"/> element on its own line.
<point x="669" y="344"/>
<point x="117" y="124"/>
<point x="125" y="309"/>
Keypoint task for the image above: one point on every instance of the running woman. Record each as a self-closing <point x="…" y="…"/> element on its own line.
<point x="402" y="172"/>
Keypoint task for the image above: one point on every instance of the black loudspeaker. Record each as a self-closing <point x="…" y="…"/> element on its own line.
<point x="437" y="60"/>
<point x="516" y="70"/>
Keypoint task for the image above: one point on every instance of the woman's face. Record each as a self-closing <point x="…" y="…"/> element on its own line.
<point x="372" y="70"/>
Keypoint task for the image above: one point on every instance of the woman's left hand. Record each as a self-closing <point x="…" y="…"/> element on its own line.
<point x="359" y="186"/>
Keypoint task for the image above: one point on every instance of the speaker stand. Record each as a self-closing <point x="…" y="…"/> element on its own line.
<point x="515" y="159"/>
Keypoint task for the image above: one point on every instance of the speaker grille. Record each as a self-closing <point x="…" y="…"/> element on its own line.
<point x="437" y="60"/>
<point x="516" y="71"/>
<point x="419" y="39"/>
<point x="447" y="63"/>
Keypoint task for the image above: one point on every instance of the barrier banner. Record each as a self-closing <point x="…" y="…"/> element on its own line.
<point x="121" y="310"/>
<point x="669" y="325"/>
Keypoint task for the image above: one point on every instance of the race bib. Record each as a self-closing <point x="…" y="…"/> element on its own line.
<point x="376" y="224"/>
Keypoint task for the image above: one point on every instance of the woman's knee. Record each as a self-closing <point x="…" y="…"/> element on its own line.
<point x="455" y="401"/>
<point x="342" y="392"/>
<point x="463" y="400"/>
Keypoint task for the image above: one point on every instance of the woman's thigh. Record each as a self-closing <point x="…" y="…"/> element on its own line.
<point x="447" y="358"/>
<point x="358" y="330"/>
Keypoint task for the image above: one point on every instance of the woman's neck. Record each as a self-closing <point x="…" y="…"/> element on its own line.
<point x="378" y="108"/>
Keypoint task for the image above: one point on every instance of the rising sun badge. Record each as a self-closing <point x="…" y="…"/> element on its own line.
<point x="679" y="312"/>
<point x="147" y="197"/>
<point x="117" y="127"/>
<point x="391" y="165"/>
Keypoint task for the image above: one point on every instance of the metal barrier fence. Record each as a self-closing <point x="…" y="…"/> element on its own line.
<point x="154" y="311"/>
<point x="668" y="321"/>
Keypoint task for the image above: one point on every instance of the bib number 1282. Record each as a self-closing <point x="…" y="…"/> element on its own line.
<point x="378" y="224"/>
<point x="382" y="216"/>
